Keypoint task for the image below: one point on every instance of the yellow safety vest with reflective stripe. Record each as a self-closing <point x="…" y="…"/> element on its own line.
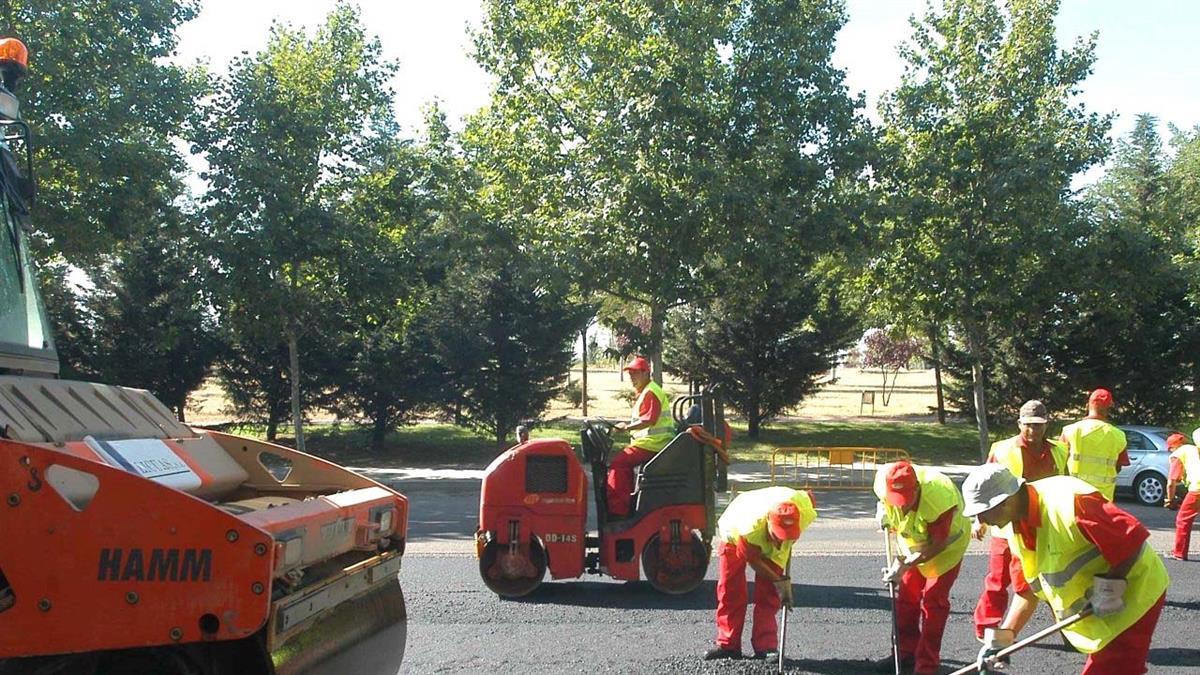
<point x="656" y="437"/>
<point x="1008" y="453"/>
<point x="1061" y="569"/>
<point x="746" y="517"/>
<point x="1094" y="446"/>
<point x="938" y="494"/>
<point x="1189" y="457"/>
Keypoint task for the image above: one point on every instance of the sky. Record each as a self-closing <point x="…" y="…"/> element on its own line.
<point x="1147" y="53"/>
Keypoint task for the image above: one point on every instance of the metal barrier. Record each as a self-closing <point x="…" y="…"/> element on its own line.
<point x="830" y="468"/>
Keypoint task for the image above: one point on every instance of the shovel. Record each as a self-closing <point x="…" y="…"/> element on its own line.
<point x="1018" y="646"/>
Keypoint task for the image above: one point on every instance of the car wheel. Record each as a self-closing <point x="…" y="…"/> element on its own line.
<point x="1149" y="488"/>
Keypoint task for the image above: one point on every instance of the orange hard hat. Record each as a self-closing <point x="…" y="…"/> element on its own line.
<point x="784" y="521"/>
<point x="639" y="363"/>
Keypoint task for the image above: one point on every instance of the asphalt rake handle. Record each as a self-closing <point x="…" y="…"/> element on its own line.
<point x="787" y="572"/>
<point x="1021" y="644"/>
<point x="887" y="538"/>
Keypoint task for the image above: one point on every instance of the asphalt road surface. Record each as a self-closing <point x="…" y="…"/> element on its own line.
<point x="595" y="624"/>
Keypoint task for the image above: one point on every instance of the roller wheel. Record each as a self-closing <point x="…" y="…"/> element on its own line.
<point x="675" y="570"/>
<point x="512" y="575"/>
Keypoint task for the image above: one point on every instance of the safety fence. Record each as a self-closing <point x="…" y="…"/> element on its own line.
<point x="830" y="468"/>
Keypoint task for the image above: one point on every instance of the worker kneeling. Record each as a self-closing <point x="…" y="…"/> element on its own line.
<point x="1077" y="550"/>
<point x="924" y="509"/>
<point x="757" y="529"/>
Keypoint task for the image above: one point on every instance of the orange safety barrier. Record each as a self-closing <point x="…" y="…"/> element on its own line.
<point x="830" y="468"/>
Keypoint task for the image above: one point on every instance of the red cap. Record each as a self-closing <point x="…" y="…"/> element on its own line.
<point x="639" y="363"/>
<point x="1101" y="398"/>
<point x="901" y="484"/>
<point x="784" y="521"/>
<point x="1176" y="440"/>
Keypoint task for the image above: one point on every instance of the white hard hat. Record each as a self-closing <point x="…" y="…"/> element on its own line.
<point x="987" y="486"/>
<point x="1196" y="436"/>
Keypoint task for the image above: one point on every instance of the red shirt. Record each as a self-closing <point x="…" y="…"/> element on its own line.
<point x="1114" y="532"/>
<point x="1176" y="471"/>
<point x="650" y="408"/>
<point x="1035" y="464"/>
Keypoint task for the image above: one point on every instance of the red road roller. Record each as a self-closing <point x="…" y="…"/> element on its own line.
<point x="533" y="508"/>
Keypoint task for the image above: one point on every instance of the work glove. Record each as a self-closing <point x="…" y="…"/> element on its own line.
<point x="1108" y="595"/>
<point x="892" y="574"/>
<point x="881" y="516"/>
<point x="783" y="586"/>
<point x="1169" y="503"/>
<point x="994" y="640"/>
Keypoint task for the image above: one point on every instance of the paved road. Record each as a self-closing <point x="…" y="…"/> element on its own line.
<point x="600" y="625"/>
<point x="842" y="620"/>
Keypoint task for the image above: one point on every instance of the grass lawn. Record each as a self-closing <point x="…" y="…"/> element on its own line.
<point x="928" y="443"/>
<point x="444" y="445"/>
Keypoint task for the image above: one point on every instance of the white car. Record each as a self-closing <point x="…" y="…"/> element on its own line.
<point x="1146" y="475"/>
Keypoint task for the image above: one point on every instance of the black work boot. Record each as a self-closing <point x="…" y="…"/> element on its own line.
<point x="767" y="654"/>
<point x="888" y="665"/>
<point x="717" y="653"/>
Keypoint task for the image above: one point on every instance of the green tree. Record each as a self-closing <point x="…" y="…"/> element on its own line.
<point x="981" y="142"/>
<point x="382" y="371"/>
<point x="505" y="342"/>
<point x="286" y="130"/>
<point x="767" y="347"/>
<point x="106" y="106"/>
<point x="151" y="327"/>
<point x="1122" y="319"/>
<point x="639" y="127"/>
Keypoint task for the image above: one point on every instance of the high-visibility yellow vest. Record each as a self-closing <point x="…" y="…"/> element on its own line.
<point x="746" y="517"/>
<point x="1008" y="452"/>
<point x="656" y="437"/>
<point x="1094" y="446"/>
<point x="1189" y="457"/>
<point x="1060" y="569"/>
<point x="912" y="529"/>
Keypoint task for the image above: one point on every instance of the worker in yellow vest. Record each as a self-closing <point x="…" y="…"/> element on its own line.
<point x="1076" y="548"/>
<point x="1096" y="448"/>
<point x="924" y="509"/>
<point x="1031" y="456"/>
<point x="756" y="529"/>
<point x="650" y="430"/>
<point x="1184" y="467"/>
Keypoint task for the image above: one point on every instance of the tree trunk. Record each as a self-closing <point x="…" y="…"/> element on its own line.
<point x="937" y="373"/>
<point x="583" y="380"/>
<point x="180" y="413"/>
<point x="977" y="381"/>
<point x="753" y="421"/>
<point x="272" y="426"/>
<point x="379" y="429"/>
<point x="658" y="316"/>
<point x="294" y="374"/>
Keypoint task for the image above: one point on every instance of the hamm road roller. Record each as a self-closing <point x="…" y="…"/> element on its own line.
<point x="131" y="544"/>
<point x="533" y="508"/>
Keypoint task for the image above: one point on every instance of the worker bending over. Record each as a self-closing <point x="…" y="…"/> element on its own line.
<point x="1185" y="467"/>
<point x="924" y="509"/>
<point x="1076" y="548"/>
<point x="650" y="430"/>
<point x="756" y="529"/>
<point x="1031" y="456"/>
<point x="1096" y="448"/>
